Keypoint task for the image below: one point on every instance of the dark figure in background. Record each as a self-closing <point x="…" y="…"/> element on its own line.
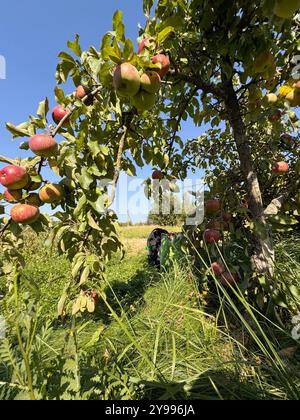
<point x="154" y="244"/>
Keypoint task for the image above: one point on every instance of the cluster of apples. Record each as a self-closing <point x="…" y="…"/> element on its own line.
<point x="141" y="87"/>
<point x="289" y="92"/>
<point x="60" y="112"/>
<point x="26" y="209"/>
<point x="217" y="224"/>
<point x="18" y="181"/>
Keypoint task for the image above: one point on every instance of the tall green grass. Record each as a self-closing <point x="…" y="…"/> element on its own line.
<point x="158" y="336"/>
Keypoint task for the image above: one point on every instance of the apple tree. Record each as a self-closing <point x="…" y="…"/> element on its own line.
<point x="226" y="64"/>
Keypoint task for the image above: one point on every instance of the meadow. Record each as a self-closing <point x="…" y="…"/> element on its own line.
<point x="154" y="336"/>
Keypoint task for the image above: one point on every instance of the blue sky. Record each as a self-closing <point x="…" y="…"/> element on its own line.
<point x="32" y="33"/>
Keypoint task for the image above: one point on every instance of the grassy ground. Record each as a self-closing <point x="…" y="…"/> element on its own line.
<point x="155" y="337"/>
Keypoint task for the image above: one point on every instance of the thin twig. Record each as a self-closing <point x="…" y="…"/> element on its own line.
<point x="118" y="165"/>
<point x="180" y="116"/>
<point x="73" y="109"/>
<point x="4" y="228"/>
<point x="7" y="160"/>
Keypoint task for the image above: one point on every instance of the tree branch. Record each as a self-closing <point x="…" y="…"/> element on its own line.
<point x="73" y="109"/>
<point x="4" y="159"/>
<point x="207" y="88"/>
<point x="180" y="116"/>
<point x="118" y="166"/>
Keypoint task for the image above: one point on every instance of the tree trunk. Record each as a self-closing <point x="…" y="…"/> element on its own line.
<point x="263" y="256"/>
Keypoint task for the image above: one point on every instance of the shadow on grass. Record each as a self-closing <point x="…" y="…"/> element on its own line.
<point x="128" y="296"/>
<point x="211" y="385"/>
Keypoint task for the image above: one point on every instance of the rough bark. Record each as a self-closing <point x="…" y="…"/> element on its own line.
<point x="263" y="256"/>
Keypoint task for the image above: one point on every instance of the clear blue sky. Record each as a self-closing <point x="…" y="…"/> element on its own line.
<point x="32" y="33"/>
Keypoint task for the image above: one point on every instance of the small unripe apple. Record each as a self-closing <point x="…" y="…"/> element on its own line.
<point x="271" y="98"/>
<point x="164" y="62"/>
<point x="150" y="82"/>
<point x="157" y="175"/>
<point x="126" y="80"/>
<point x="229" y="279"/>
<point x="212" y="206"/>
<point x="212" y="236"/>
<point x="280" y="168"/>
<point x="218" y="269"/>
<point x="13" y="196"/>
<point x="24" y="214"/>
<point x="293" y="97"/>
<point x="13" y="177"/>
<point x="43" y="145"/>
<point x="51" y="193"/>
<point x="144" y="101"/>
<point x="59" y="112"/>
<point x="34" y="200"/>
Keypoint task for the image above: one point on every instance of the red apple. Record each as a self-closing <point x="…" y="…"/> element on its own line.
<point x="24" y="214"/>
<point x="157" y="175"/>
<point x="143" y="44"/>
<point x="212" y="206"/>
<point x="212" y="236"/>
<point x="82" y="92"/>
<point x="218" y="269"/>
<point x="13" y="196"/>
<point x="43" y="145"/>
<point x="59" y="112"/>
<point x="126" y="80"/>
<point x="280" y="168"/>
<point x="164" y="61"/>
<point x="229" y="279"/>
<point x="147" y="42"/>
<point x="13" y="177"/>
